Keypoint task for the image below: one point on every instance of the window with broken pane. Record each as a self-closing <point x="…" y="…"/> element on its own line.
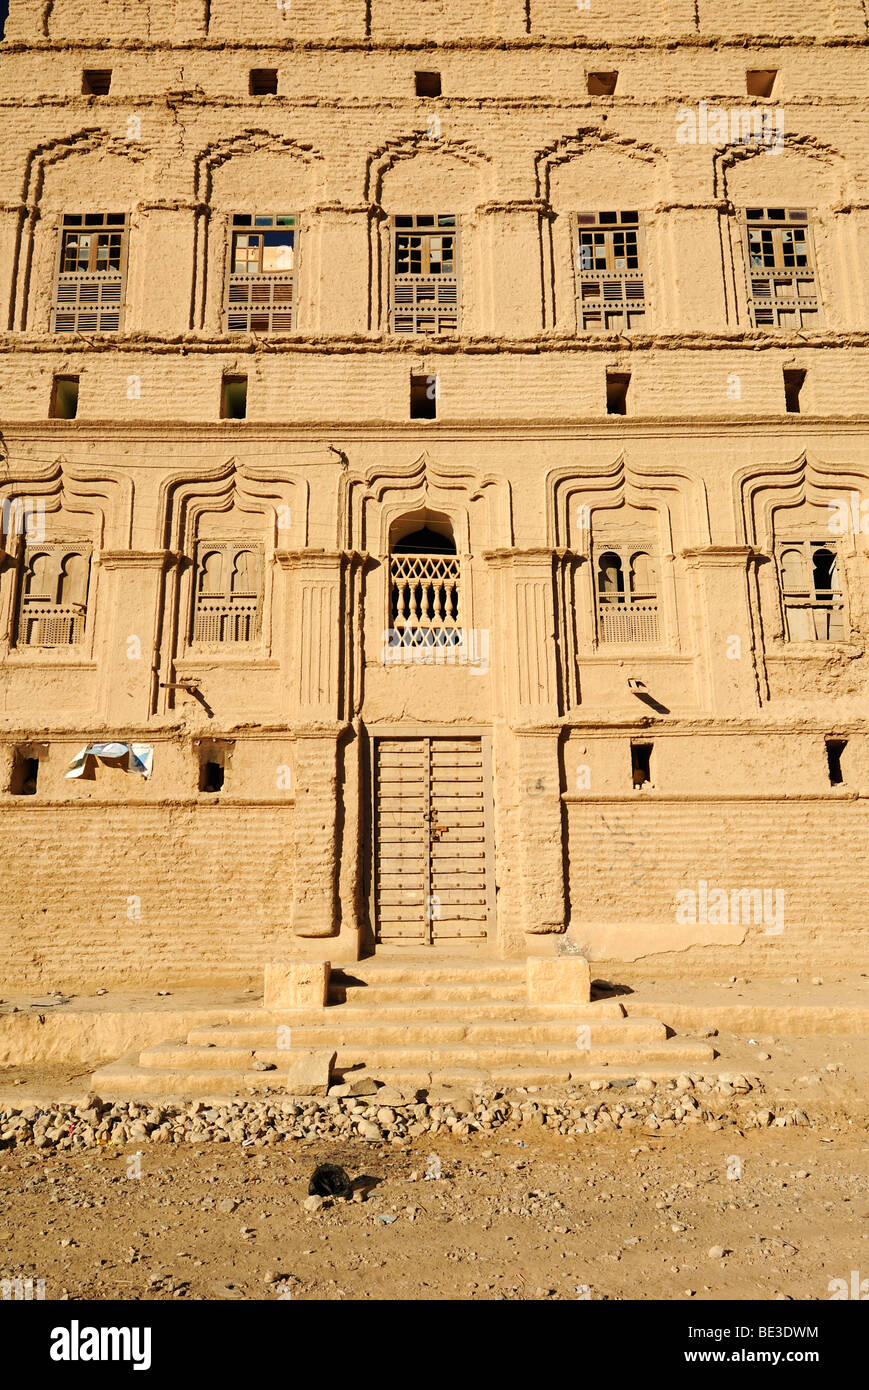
<point x="260" y="294"/>
<point x="627" y="597"/>
<point x="782" y="287"/>
<point x="425" y="274"/>
<point x="91" y="270"/>
<point x="811" y="591"/>
<point x="52" y="608"/>
<point x="228" y="585"/>
<point x="610" y="284"/>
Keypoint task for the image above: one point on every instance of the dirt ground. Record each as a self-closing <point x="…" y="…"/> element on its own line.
<point x="522" y="1216"/>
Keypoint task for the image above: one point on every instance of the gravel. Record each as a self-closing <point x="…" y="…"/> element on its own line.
<point x="653" y="1107"/>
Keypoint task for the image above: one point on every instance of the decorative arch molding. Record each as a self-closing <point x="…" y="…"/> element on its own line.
<point x="418" y="145"/>
<point x="733" y="252"/>
<point x="727" y="157"/>
<point x="681" y="500"/>
<point x="87" y="141"/>
<point x="211" y="157"/>
<point x="40" y="158"/>
<point x="251" y="141"/>
<point x="386" y="156"/>
<point x="229" y="486"/>
<point x="569" y="147"/>
<point x="558" y="245"/>
<point x="282" y="502"/>
<point x="371" y="503"/>
<point x="60" y="488"/>
<point x="758" y="494"/>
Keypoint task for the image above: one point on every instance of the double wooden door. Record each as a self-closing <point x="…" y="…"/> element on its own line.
<point x="432" y="839"/>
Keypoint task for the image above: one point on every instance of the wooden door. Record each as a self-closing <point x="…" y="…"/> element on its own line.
<point x="432" y="839"/>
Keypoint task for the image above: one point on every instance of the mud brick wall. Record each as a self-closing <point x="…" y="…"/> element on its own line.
<point x="707" y="465"/>
<point x="629" y="862"/>
<point x="211" y="887"/>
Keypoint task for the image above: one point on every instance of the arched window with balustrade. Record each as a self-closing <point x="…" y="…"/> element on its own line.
<point x="425" y="600"/>
<point x="54" y="595"/>
<point x="811" y="591"/>
<point x="627" y="597"/>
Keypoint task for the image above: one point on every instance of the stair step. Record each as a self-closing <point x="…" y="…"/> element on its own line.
<point x="406" y="1079"/>
<point x="415" y="1021"/>
<point x="370" y="1008"/>
<point x="433" y="970"/>
<point x="343" y="1033"/>
<point x="179" y="1055"/>
<point x="445" y="992"/>
<point x="494" y="1057"/>
<point x="125" y="1079"/>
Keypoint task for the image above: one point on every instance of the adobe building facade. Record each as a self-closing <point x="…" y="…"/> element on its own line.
<point x="434" y="442"/>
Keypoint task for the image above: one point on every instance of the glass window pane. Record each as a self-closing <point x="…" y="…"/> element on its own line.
<point x="277" y="251"/>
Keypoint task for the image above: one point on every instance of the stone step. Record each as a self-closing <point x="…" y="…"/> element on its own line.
<point x="495" y="1057"/>
<point x="469" y="1078"/>
<point x="125" y="1079"/>
<point x="178" y="1055"/>
<point x="414" y="1022"/>
<point x="365" y="1007"/>
<point x="443" y="991"/>
<point x="343" y="1032"/>
<point x="431" y="969"/>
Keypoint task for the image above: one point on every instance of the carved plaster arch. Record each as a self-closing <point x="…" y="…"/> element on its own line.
<point x="569" y="147"/>
<point x="409" y="146"/>
<point x="372" y="502"/>
<point x="728" y="156"/>
<point x="211" y="157"/>
<point x="63" y="488"/>
<point x="647" y="488"/>
<point x="760" y="492"/>
<point x="253" y="489"/>
<point x="248" y="141"/>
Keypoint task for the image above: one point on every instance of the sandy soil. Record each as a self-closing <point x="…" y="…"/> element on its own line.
<point x="522" y="1216"/>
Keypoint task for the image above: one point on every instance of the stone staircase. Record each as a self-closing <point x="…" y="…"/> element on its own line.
<point x="410" y="1022"/>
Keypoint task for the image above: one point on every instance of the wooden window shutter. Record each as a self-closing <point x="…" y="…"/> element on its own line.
<point x="227" y="597"/>
<point x="811" y="591"/>
<point x="52" y="610"/>
<point x="425" y="284"/>
<point x="782" y="287"/>
<point x="91" y="273"/>
<point x="610" y="283"/>
<point x="260" y="282"/>
<point x="627" y="597"/>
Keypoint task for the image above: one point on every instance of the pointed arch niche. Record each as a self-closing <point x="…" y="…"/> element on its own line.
<point x="380" y="508"/>
<point x="592" y="172"/>
<point x="263" y="174"/>
<point x="428" y="173"/>
<point x="228" y="528"/>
